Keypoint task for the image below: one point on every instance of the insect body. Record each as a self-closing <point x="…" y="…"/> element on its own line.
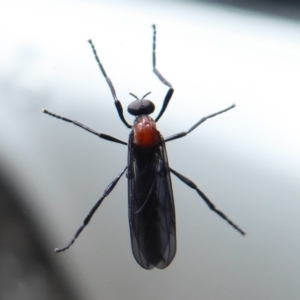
<point x="150" y="196"/>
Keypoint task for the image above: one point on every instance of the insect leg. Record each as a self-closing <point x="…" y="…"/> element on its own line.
<point x="112" y="89"/>
<point x="206" y="200"/>
<point x="160" y="77"/>
<point x="184" y="133"/>
<point x="101" y="135"/>
<point x="87" y="219"/>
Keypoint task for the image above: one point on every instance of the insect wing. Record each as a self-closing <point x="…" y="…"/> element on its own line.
<point x="151" y="206"/>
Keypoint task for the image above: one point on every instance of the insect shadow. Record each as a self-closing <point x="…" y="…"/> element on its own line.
<point x="150" y="196"/>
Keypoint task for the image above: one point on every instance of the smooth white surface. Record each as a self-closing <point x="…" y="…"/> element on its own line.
<point x="246" y="161"/>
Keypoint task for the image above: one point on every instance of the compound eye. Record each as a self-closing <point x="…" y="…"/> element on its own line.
<point x="141" y="107"/>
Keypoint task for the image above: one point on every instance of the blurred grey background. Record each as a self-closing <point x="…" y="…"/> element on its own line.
<point x="247" y="161"/>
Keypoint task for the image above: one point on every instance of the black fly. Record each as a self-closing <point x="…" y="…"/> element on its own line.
<point x="150" y="196"/>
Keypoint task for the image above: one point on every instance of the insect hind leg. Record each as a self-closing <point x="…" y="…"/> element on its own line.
<point x="87" y="219"/>
<point x="192" y="185"/>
